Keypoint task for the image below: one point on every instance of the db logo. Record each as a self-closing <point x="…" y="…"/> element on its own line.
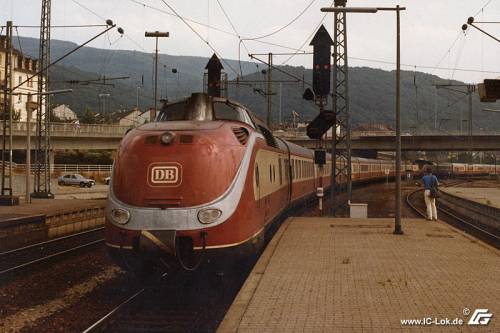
<point x="165" y="174"/>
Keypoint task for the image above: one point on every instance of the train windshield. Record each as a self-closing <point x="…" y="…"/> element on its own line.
<point x="201" y="108"/>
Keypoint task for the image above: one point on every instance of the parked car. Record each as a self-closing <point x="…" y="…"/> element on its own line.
<point x="75" y="179"/>
<point x="106" y="180"/>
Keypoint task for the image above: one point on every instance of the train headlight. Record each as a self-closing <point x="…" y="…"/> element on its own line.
<point x="167" y="138"/>
<point x="209" y="215"/>
<point x="120" y="216"/>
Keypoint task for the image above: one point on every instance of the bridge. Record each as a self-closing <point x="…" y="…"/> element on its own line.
<point x="65" y="136"/>
<point x="433" y="142"/>
<point x="107" y="137"/>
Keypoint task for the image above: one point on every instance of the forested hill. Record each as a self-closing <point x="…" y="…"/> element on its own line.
<point x="372" y="91"/>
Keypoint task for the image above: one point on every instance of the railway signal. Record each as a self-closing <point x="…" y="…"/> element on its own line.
<point x="322" y="44"/>
<point x="214" y="70"/>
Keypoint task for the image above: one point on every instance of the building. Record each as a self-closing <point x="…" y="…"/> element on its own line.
<point x="64" y="113"/>
<point x="134" y="118"/>
<point x="23" y="68"/>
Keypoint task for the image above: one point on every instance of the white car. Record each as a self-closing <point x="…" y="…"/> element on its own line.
<point x="106" y="180"/>
<point x="75" y="179"/>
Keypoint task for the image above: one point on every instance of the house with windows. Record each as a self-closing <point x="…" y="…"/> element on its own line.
<point x="23" y="68"/>
<point x="64" y="113"/>
<point x="133" y="118"/>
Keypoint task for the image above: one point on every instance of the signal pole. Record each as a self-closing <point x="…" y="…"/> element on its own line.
<point x="155" y="34"/>
<point x="6" y="196"/>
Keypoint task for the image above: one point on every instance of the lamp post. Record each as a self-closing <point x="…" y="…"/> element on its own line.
<point x="156" y="35"/>
<point x="397" y="226"/>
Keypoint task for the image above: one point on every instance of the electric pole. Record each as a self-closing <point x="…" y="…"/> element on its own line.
<point x="42" y="158"/>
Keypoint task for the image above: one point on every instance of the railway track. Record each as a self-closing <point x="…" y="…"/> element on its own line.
<point x="21" y="258"/>
<point x="174" y="304"/>
<point x="415" y="201"/>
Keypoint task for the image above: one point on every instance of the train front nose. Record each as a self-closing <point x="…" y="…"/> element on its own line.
<point x="162" y="174"/>
<point x="181" y="165"/>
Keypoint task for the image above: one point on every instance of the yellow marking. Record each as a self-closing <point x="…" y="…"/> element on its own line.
<point x="230" y="245"/>
<point x="126" y="247"/>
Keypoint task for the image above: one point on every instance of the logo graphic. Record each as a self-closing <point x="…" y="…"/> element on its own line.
<point x="480" y="317"/>
<point x="165" y="174"/>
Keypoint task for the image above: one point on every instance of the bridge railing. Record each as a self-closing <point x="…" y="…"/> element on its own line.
<point x="363" y="134"/>
<point x="67" y="168"/>
<point x="71" y="129"/>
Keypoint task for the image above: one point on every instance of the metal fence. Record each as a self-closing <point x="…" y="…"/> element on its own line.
<point x="71" y="129"/>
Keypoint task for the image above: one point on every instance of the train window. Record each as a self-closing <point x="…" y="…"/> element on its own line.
<point x="173" y="112"/>
<point x="227" y="111"/>
<point x="257" y="175"/>
<point x="198" y="107"/>
<point x="279" y="170"/>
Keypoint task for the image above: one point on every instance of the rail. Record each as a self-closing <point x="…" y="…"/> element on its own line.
<point x="469" y="226"/>
<point x="20" y="258"/>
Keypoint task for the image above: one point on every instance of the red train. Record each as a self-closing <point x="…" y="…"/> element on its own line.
<point x="204" y="182"/>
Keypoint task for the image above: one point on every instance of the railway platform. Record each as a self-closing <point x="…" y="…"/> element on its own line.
<point x="354" y="275"/>
<point x="45" y="219"/>
<point x="484" y="196"/>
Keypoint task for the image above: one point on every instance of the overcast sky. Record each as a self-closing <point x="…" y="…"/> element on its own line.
<point x="429" y="28"/>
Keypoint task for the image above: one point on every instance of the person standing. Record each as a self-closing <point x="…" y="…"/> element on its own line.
<point x="430" y="183"/>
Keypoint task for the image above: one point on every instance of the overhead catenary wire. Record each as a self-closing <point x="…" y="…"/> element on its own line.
<point x="427" y="67"/>
<point x="60" y="26"/>
<point x="140" y="3"/>
<point x="285" y="26"/>
<point x="128" y="36"/>
<point x="237" y="33"/>
<point x="308" y="39"/>
<point x="201" y="37"/>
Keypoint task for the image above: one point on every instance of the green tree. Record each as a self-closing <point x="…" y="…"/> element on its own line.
<point x="88" y="117"/>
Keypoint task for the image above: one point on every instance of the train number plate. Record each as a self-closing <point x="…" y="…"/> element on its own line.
<point x="165" y="174"/>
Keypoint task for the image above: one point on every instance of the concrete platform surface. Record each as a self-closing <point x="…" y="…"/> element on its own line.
<point x="354" y="275"/>
<point x="47" y="207"/>
<point x="485" y="196"/>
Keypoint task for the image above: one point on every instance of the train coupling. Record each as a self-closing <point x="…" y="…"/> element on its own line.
<point x="158" y="241"/>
